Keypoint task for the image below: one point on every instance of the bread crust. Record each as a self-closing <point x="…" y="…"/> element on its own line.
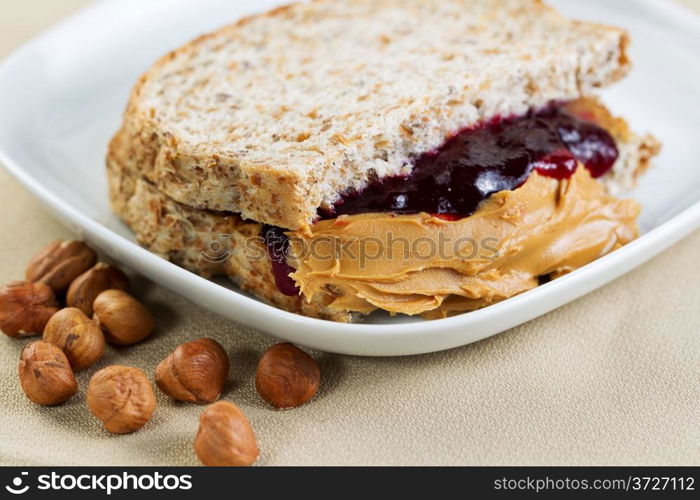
<point x="291" y="145"/>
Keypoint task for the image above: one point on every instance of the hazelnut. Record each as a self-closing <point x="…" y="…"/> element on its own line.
<point x="78" y="336"/>
<point x="225" y="437"/>
<point x="58" y="264"/>
<point x="123" y="319"/>
<point x="25" y="308"/>
<point x="287" y="377"/>
<point x="86" y="287"/>
<point x="195" y="372"/>
<point x="122" y="397"/>
<point x="45" y="374"/>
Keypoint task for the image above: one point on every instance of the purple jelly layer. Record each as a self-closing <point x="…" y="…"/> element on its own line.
<point x="479" y="162"/>
<point x="277" y="245"/>
<point x="452" y="181"/>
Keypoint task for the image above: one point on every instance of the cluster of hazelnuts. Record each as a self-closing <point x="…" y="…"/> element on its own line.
<point x="99" y="311"/>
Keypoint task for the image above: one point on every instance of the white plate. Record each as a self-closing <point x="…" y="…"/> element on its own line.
<point x="61" y="97"/>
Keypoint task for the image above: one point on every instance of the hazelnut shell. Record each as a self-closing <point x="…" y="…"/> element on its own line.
<point x="25" y="308"/>
<point x="225" y="437"/>
<point x="287" y="377"/>
<point x="85" y="288"/>
<point x="122" y="397"/>
<point x="59" y="263"/>
<point x="194" y="372"/>
<point x="123" y="319"/>
<point x="78" y="336"/>
<point x="45" y="374"/>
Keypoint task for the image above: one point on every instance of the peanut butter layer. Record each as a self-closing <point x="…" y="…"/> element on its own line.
<point x="423" y="264"/>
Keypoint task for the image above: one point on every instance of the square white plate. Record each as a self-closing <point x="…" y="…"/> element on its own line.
<point x="62" y="94"/>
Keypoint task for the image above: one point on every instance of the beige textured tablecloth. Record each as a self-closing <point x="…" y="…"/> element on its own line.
<point x="612" y="378"/>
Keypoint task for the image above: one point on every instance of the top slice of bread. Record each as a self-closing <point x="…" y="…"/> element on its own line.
<point x="279" y="113"/>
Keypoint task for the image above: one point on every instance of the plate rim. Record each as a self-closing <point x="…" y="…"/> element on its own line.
<point x="416" y="337"/>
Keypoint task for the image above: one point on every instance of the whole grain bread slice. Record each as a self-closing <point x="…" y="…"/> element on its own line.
<point x="279" y="113"/>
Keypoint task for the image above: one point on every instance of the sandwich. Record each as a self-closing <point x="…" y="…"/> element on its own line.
<point x="420" y="157"/>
